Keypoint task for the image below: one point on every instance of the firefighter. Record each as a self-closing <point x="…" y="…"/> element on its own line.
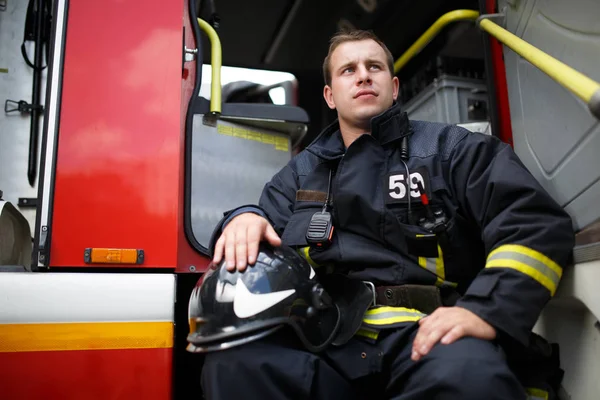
<point x="460" y="244"/>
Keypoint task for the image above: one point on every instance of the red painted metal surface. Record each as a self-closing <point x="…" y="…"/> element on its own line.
<point x="90" y="375"/>
<point x="499" y="74"/>
<point x="119" y="158"/>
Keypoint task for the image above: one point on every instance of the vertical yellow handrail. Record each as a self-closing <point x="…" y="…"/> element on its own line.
<point x="215" y="63"/>
<point x="448" y="18"/>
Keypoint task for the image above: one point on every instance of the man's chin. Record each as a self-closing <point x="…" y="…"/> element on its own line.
<point x="367" y="113"/>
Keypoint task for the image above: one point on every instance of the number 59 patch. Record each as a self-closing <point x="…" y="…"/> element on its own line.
<point x="397" y="186"/>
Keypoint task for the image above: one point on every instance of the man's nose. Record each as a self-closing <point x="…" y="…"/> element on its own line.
<point x="363" y="75"/>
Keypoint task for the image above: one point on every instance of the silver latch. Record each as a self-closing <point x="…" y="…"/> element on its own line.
<point x="372" y="287"/>
<point x="498" y="18"/>
<point x="190" y="54"/>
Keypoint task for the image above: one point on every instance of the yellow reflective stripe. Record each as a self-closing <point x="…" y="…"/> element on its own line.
<point x="439" y="264"/>
<point x="536" y="394"/>
<point x="85" y="336"/>
<point x="367" y="333"/>
<point x="435" y="265"/>
<point x="528" y="262"/>
<point x="525" y="269"/>
<point x="391" y="315"/>
<point x="305" y="252"/>
<point x="526" y="251"/>
<point x="385" y="309"/>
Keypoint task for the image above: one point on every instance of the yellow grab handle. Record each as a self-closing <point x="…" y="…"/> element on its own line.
<point x="582" y="86"/>
<point x="215" y="63"/>
<point x="452" y="16"/>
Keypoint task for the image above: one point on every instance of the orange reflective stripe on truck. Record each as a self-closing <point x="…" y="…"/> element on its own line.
<point x="85" y="336"/>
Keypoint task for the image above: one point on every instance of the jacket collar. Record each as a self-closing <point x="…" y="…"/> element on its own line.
<point x="387" y="127"/>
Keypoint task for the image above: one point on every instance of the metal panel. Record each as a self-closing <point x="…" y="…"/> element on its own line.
<point x="91" y="375"/>
<point x="86" y="336"/>
<point x="119" y="156"/>
<point x="86" y="297"/>
<point x="16" y="84"/>
<point x="571" y="319"/>
<point x="554" y="133"/>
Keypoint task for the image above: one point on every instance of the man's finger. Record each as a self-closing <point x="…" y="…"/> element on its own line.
<point x="420" y="338"/>
<point x="455" y="333"/>
<point x="426" y="324"/>
<point x="241" y="248"/>
<point x="218" y="255"/>
<point x="254" y="236"/>
<point x="230" y="251"/>
<point x="272" y="236"/>
<point x="431" y="336"/>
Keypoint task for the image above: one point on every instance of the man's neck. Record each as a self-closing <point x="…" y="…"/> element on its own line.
<point x="352" y="132"/>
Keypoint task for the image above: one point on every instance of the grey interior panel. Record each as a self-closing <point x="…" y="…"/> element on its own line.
<point x="554" y="133"/>
<point x="451" y="100"/>
<point x="230" y="164"/>
<point x="265" y="111"/>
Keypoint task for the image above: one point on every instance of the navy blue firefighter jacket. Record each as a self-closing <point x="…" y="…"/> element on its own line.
<point x="506" y="240"/>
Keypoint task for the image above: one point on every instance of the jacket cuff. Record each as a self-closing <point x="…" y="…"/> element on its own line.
<point x="508" y="302"/>
<point x="227" y="217"/>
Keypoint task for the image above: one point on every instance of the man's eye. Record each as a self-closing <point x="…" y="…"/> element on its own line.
<point x="349" y="69"/>
<point x="375" y="67"/>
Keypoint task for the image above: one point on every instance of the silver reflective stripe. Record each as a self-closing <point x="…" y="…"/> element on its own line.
<point x="532" y="262"/>
<point x="436" y="267"/>
<point x="430" y="265"/>
<point x="393" y="314"/>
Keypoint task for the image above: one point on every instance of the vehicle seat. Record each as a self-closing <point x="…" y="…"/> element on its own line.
<point x="15" y="238"/>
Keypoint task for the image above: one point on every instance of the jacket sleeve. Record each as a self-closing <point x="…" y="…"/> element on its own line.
<point x="528" y="237"/>
<point x="276" y="204"/>
<point x="278" y="198"/>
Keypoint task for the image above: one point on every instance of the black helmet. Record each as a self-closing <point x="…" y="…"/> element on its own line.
<point x="227" y="309"/>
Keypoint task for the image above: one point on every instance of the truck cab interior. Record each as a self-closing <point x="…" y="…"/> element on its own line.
<point x="142" y="149"/>
<point x="455" y="77"/>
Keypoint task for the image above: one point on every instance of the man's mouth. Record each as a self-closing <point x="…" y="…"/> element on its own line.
<point x="365" y="92"/>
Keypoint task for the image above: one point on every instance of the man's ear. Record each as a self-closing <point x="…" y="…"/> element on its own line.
<point x="396" y="85"/>
<point x="328" y="96"/>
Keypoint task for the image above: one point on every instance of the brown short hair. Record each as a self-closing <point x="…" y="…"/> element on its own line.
<point x="353" y="36"/>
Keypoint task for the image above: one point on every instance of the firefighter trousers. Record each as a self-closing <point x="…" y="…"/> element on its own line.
<point x="277" y="367"/>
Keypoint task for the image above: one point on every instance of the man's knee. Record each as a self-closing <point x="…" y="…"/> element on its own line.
<point x="266" y="370"/>
<point x="476" y="379"/>
<point x="253" y="366"/>
<point x="467" y="369"/>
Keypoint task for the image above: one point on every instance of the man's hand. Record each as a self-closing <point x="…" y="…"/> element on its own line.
<point x="240" y="240"/>
<point x="449" y="324"/>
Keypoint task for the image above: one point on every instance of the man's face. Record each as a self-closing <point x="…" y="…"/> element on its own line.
<point x="361" y="83"/>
